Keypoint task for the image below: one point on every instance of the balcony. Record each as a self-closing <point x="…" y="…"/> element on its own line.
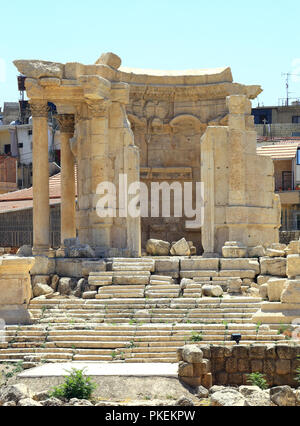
<point x="289" y="197"/>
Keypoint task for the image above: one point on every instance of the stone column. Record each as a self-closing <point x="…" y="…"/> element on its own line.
<point x="68" y="191"/>
<point x="40" y="171"/>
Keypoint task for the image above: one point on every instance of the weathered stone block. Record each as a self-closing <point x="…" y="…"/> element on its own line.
<point x="263" y="279"/>
<point x="243" y="365"/>
<point x="293" y="266"/>
<point x="222" y="378"/>
<point x="192" y="354"/>
<point x="240" y="264"/>
<point x="202" y="368"/>
<point x="240" y="351"/>
<point x="169" y="266"/>
<point x="286" y="351"/>
<point x="258" y="251"/>
<point x="283" y="367"/>
<point x="231" y="365"/>
<point x="263" y="291"/>
<point x="158" y="248"/>
<point x="234" y="250"/>
<point x="186" y="370"/>
<point x="207" y="380"/>
<point x="269" y="367"/>
<point x="199" y="263"/>
<point x="235" y="379"/>
<point x="42" y="290"/>
<point x="273" y="266"/>
<point x="235" y="286"/>
<point x="181" y="248"/>
<point x="275" y="289"/>
<point x="257" y="351"/>
<point x="257" y="366"/>
<point x="43" y="266"/>
<point x="193" y="381"/>
<point x="291" y="292"/>
<point x="212" y="291"/>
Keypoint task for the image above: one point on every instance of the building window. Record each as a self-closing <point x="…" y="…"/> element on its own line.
<point x="298" y="157"/>
<point x="7" y="149"/>
<point x="297" y="221"/>
<point x="29" y="132"/>
<point x="287" y="181"/>
<point x="20" y="145"/>
<point x="296" y="119"/>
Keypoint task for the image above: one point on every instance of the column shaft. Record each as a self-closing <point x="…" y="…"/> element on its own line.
<point x="40" y="171"/>
<point x="68" y="190"/>
<point x="68" y="194"/>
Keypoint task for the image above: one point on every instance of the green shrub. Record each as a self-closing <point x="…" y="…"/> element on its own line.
<point x="297" y="378"/>
<point x="76" y="385"/>
<point x="258" y="379"/>
<point x="196" y="337"/>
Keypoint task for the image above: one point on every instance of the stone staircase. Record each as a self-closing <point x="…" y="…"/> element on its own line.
<point x="131" y="330"/>
<point x="140" y="314"/>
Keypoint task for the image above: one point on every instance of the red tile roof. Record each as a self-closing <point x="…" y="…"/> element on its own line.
<point x="23" y="199"/>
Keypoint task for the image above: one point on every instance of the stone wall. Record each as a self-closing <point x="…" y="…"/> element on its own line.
<point x="232" y="365"/>
<point x="233" y="174"/>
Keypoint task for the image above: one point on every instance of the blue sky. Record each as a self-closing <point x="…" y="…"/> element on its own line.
<point x="258" y="40"/>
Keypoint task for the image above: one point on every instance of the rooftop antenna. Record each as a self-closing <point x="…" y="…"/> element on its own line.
<point x="288" y="75"/>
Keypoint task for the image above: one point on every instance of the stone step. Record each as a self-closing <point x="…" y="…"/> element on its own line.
<point x="95" y="358"/>
<point x="131" y="267"/>
<point x="199" y="274"/>
<point x="88" y="344"/>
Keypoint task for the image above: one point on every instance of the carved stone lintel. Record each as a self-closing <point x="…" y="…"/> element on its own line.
<point x="66" y="123"/>
<point x="39" y="109"/>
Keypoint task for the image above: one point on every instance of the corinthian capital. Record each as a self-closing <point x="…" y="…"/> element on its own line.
<point x="39" y="109"/>
<point x="66" y="122"/>
<point x="98" y="109"/>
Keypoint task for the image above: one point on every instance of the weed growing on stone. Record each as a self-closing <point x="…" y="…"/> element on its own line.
<point x="13" y="370"/>
<point x="196" y="337"/>
<point x="76" y="385"/>
<point x="258" y="379"/>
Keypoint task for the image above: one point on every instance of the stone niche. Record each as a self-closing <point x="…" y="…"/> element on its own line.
<point x="169" y="111"/>
<point x="15" y="289"/>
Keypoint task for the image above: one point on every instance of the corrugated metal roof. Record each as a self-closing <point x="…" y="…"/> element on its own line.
<point x="280" y="151"/>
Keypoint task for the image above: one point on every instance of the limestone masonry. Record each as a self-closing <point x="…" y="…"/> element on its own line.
<point x="135" y="289"/>
<point x="149" y="125"/>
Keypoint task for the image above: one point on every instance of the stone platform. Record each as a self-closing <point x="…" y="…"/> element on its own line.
<point x="115" y="382"/>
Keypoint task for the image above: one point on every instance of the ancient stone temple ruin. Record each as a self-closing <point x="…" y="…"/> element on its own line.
<point x="116" y="293"/>
<point x="193" y="126"/>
